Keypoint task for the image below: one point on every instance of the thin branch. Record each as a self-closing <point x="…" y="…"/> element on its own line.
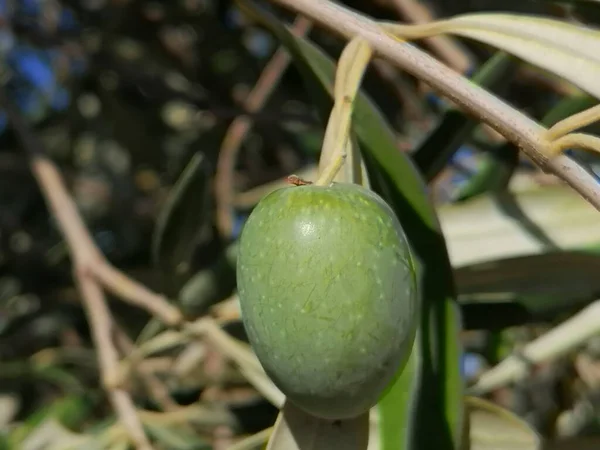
<point x="446" y="47"/>
<point x="84" y="256"/>
<point x="574" y="122"/>
<point x="241" y="125"/>
<point x="136" y="293"/>
<point x="564" y="338"/>
<point x="101" y="325"/>
<point x="154" y="386"/>
<point x="515" y="126"/>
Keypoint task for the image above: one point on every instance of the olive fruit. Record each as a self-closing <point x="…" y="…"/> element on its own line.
<point x="328" y="295"/>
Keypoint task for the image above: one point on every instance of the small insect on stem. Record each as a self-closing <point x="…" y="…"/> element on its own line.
<point x="297" y="181"/>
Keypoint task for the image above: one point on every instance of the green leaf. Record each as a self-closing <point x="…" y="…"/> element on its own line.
<point x="517" y="290"/>
<point x="531" y="221"/>
<point x="493" y="427"/>
<point x="494" y="173"/>
<point x="455" y="126"/>
<point x="211" y="285"/>
<point x="567" y="107"/>
<point x="183" y="218"/>
<point x="424" y="407"/>
<point x="566" y="49"/>
<point x="70" y="412"/>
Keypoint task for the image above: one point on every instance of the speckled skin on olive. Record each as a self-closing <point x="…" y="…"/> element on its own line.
<point x="328" y="295"/>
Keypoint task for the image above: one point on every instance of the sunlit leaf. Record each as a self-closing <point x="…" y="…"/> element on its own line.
<point x="565" y="49"/>
<point x="513" y="291"/>
<point x="534" y="221"/>
<point x="494" y="173"/>
<point x="424" y="407"/>
<point x="495" y="428"/>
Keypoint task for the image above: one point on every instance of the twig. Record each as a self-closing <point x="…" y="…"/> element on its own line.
<point x="445" y="47"/>
<point x="101" y="324"/>
<point x="154" y="386"/>
<point x="515" y="126"/>
<point x="136" y="293"/>
<point x="240" y="353"/>
<point x="564" y="338"/>
<point x="81" y="246"/>
<point x="85" y="255"/>
<point x="241" y="125"/>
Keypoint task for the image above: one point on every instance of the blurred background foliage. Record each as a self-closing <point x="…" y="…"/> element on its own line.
<point x="133" y="100"/>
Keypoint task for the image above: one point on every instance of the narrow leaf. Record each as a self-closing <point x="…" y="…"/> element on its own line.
<point x="517" y="290"/>
<point x="183" y="217"/>
<point x="495" y="428"/>
<point x="565" y="49"/>
<point x="534" y="221"/>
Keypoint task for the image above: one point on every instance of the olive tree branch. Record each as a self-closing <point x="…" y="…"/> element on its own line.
<point x="447" y="48"/>
<point x="86" y="260"/>
<point x="527" y="134"/>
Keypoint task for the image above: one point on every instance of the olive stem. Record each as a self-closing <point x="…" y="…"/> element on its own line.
<point x="336" y="144"/>
<point x="473" y="99"/>
<point x="330" y="172"/>
<point x="574" y="122"/>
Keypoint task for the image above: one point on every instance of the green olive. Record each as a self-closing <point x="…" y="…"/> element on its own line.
<point x="328" y="295"/>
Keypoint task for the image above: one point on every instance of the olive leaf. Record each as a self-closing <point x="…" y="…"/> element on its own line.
<point x="183" y="218"/>
<point x="493" y="427"/>
<point x="424" y="407"/>
<point x="535" y="225"/>
<point x="494" y="174"/>
<point x="565" y="49"/>
<point x="518" y="290"/>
